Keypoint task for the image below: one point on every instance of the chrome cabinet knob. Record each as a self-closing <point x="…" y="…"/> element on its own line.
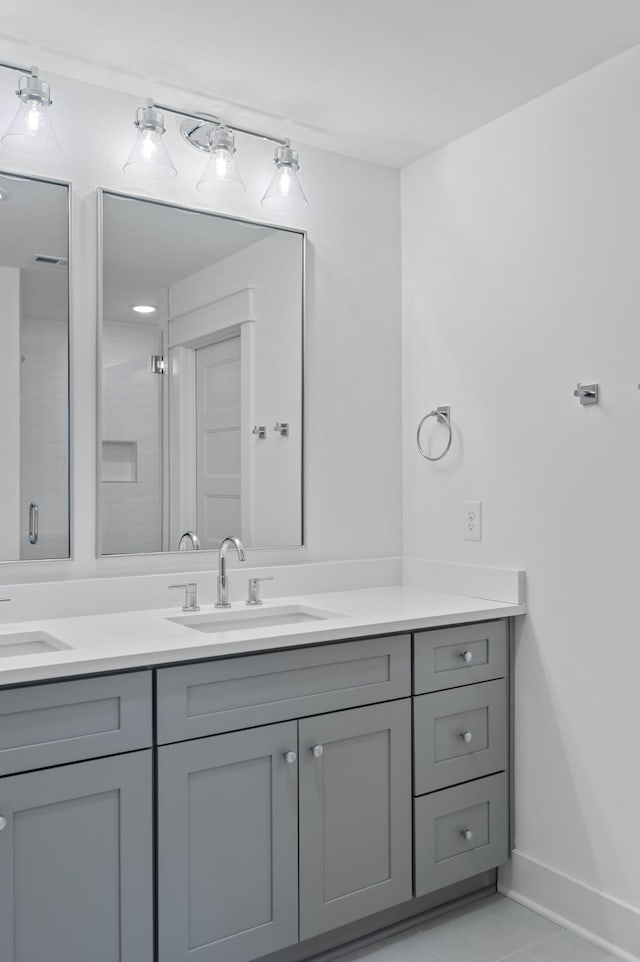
<point x="467" y="656"/>
<point x="466" y="737"/>
<point x="3" y="822"/>
<point x="467" y="835"/>
<point x="290" y="757"/>
<point x="317" y="751"/>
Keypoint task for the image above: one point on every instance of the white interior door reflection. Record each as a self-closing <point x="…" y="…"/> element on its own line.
<point x="218" y="442"/>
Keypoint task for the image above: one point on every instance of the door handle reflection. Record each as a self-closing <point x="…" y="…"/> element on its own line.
<point x="33" y="523"/>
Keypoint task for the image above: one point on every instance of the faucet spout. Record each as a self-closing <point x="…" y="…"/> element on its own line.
<point x="223" y="582"/>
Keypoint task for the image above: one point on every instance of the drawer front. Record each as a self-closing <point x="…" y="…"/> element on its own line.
<point x="460" y="832"/>
<point x="459" y="735"/>
<point x="74" y="720"/>
<point x="449" y="657"/>
<point x="230" y="694"/>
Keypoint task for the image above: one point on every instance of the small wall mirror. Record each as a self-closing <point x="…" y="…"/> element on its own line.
<point x="201" y="339"/>
<point x="34" y="387"/>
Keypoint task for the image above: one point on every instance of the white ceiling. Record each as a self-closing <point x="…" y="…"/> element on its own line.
<point x="383" y="80"/>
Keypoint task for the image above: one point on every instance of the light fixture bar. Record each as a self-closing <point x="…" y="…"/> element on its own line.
<point x="31" y="71"/>
<point x="212" y="119"/>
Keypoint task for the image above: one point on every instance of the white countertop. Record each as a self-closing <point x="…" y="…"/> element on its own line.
<point x="133" y="639"/>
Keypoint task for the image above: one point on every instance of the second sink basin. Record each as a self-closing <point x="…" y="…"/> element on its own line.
<point x="267" y="617"/>
<point x="29" y="643"/>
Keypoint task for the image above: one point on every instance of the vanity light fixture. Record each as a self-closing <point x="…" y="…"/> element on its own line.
<point x="216" y="138"/>
<point x="284" y="193"/>
<point x="149" y="159"/>
<point x="31" y="131"/>
<point x="221" y="175"/>
<point x="144" y="309"/>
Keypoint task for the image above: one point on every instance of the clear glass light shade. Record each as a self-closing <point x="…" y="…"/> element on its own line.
<point x="221" y="175"/>
<point x="284" y="194"/>
<point x="31" y="131"/>
<point x="149" y="160"/>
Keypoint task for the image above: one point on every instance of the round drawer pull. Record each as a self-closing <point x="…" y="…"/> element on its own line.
<point x="317" y="751"/>
<point x="466" y="737"/>
<point x="467" y="834"/>
<point x="290" y="757"/>
<point x="467" y="656"/>
<point x="3" y="822"/>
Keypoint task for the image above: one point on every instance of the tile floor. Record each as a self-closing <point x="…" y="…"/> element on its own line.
<point x="493" y="930"/>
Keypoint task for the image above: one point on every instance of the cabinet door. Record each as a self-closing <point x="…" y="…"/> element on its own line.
<point x="76" y="863"/>
<point x="228" y="846"/>
<point x="355" y="814"/>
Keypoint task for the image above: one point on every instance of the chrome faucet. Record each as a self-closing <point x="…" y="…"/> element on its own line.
<point x="223" y="583"/>
<point x="189" y="536"/>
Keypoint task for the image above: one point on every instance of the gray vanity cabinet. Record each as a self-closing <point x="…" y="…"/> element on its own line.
<point x="239" y="814"/>
<point x="76" y="862"/>
<point x="355" y="814"/>
<point x="228" y="845"/>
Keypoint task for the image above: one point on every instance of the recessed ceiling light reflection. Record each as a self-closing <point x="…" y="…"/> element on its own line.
<point x="144" y="309"/>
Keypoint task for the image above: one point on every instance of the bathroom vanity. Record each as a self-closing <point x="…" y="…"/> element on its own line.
<point x="282" y="800"/>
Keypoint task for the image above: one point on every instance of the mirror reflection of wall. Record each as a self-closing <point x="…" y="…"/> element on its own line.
<point x="34" y="388"/>
<point x="202" y="328"/>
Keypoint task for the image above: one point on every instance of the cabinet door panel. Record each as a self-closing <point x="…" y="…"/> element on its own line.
<point x="355" y="815"/>
<point x="76" y="863"/>
<point x="228" y="846"/>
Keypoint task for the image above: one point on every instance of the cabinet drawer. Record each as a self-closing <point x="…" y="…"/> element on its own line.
<point x="479" y="811"/>
<point x="230" y="694"/>
<point x="73" y="720"/>
<point x="449" y="657"/>
<point x="459" y="734"/>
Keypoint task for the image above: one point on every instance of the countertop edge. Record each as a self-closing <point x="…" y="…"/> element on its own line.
<point x="139" y="661"/>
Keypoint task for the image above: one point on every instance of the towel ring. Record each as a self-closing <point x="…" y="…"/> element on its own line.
<point x="442" y="416"/>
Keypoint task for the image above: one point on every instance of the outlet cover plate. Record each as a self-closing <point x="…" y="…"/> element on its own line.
<point x="472" y="521"/>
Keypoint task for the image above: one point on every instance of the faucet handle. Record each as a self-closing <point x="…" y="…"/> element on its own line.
<point x="254" y="590"/>
<point x="190" y="596"/>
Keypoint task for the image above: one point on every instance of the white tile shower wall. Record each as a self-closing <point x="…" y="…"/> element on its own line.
<point x="44" y="475"/>
<point x="131" y="411"/>
<point x="520" y="278"/>
<point x="353" y="406"/>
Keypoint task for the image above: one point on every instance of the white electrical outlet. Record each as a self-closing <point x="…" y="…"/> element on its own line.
<point x="472" y="521"/>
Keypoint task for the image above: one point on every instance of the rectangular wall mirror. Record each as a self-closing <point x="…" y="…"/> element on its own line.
<point x="34" y="387"/>
<point x="201" y="339"/>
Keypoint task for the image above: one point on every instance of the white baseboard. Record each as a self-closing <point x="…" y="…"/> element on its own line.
<point x="608" y="922"/>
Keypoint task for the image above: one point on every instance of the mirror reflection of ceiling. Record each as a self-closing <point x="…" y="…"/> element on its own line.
<point x="33" y="222"/>
<point x="184" y="242"/>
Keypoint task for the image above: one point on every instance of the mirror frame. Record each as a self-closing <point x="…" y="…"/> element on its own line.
<point x="106" y="191"/>
<point x="21" y="175"/>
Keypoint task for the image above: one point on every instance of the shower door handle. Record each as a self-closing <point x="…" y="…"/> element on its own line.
<point x="33" y="523"/>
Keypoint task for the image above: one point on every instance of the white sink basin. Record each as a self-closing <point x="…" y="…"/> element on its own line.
<point x="20" y="643"/>
<point x="267" y="617"/>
